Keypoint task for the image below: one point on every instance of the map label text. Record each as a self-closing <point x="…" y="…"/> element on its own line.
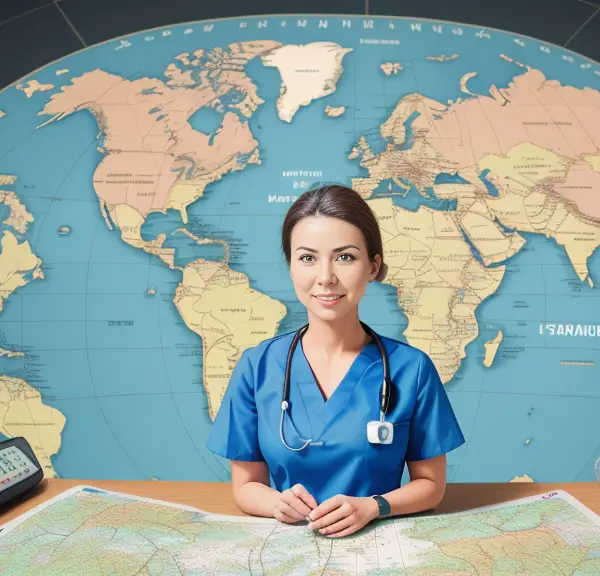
<point x="590" y="330"/>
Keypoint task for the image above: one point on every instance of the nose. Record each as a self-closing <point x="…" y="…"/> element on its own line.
<point x="327" y="276"/>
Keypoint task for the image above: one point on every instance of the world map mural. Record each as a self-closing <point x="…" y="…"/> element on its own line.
<point x="144" y="181"/>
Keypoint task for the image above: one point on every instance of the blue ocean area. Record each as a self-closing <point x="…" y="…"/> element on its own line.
<point x="103" y="340"/>
<point x="411" y="199"/>
<point x="445" y="178"/>
<point x="4" y="212"/>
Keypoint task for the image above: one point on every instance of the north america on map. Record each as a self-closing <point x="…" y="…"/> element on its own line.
<point x="140" y="257"/>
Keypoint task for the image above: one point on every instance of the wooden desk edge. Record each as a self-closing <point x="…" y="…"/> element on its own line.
<point x="217" y="497"/>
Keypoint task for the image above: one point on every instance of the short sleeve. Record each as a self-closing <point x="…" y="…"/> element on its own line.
<point x="434" y="429"/>
<point x="234" y="433"/>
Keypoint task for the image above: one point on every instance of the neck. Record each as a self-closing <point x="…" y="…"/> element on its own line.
<point x="336" y="337"/>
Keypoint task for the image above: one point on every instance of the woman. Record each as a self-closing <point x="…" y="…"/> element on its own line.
<point x="311" y="458"/>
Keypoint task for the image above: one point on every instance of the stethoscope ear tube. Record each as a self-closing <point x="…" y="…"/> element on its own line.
<point x="386" y="387"/>
<point x="288" y="366"/>
<point x="385" y="393"/>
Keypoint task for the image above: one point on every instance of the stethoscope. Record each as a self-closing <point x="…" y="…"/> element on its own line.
<point x="378" y="431"/>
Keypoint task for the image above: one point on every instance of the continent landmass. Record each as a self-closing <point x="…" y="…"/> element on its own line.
<point x="218" y="304"/>
<point x="308" y="72"/>
<point x="518" y="164"/>
<point x="22" y="412"/>
<point x="165" y="164"/>
<point x="18" y="263"/>
<point x="153" y="159"/>
<point x="439" y="282"/>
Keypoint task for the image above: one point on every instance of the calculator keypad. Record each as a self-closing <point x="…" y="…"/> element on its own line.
<point x="14" y="467"/>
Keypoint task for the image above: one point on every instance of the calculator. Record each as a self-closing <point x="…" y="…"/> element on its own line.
<point x="19" y="469"/>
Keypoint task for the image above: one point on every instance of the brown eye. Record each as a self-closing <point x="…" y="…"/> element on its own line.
<point x="345" y="257"/>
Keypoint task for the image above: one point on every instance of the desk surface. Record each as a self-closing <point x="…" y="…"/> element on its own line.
<point x="217" y="497"/>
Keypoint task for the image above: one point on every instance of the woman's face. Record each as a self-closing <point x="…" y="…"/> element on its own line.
<point x="330" y="266"/>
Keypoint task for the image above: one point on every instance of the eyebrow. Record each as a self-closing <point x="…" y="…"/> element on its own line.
<point x="340" y="249"/>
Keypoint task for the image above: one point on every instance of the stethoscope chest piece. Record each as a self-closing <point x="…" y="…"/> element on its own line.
<point x="379" y="432"/>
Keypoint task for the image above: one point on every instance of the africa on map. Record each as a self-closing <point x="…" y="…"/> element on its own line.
<point x="143" y="183"/>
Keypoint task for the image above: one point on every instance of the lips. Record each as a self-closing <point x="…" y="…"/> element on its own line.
<point x="328" y="297"/>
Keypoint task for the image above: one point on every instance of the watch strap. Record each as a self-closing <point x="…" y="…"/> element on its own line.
<point x="384" y="506"/>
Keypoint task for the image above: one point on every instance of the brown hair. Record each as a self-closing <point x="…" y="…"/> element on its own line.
<point x="335" y="201"/>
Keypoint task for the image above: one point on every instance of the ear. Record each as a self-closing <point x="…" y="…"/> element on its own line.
<point x="375" y="268"/>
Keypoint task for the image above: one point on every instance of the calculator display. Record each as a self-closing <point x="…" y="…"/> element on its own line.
<point x="14" y="467"/>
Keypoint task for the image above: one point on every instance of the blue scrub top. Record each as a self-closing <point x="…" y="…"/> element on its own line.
<point x="247" y="424"/>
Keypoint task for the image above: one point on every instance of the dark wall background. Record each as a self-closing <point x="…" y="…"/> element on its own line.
<point x="36" y="32"/>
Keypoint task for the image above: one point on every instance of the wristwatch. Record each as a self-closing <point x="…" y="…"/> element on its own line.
<point x="384" y="506"/>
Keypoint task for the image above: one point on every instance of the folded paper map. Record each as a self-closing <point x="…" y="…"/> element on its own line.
<point x="86" y="531"/>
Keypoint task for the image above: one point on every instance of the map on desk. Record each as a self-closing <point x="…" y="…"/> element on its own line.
<point x="96" y="532"/>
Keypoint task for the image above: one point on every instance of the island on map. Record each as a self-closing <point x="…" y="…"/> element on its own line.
<point x="491" y="349"/>
<point x="18" y="264"/>
<point x="443" y="57"/>
<point x="334" y="111"/>
<point x="11" y="353"/>
<point x="33" y="86"/>
<point x="389" y="68"/>
<point x="307" y="72"/>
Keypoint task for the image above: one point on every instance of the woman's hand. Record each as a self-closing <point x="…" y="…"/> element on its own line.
<point x="343" y="515"/>
<point x="294" y="505"/>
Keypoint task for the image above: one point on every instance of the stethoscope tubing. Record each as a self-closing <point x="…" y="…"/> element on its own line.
<point x="384" y="393"/>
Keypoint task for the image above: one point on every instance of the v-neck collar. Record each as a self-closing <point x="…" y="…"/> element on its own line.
<point x="321" y="411"/>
